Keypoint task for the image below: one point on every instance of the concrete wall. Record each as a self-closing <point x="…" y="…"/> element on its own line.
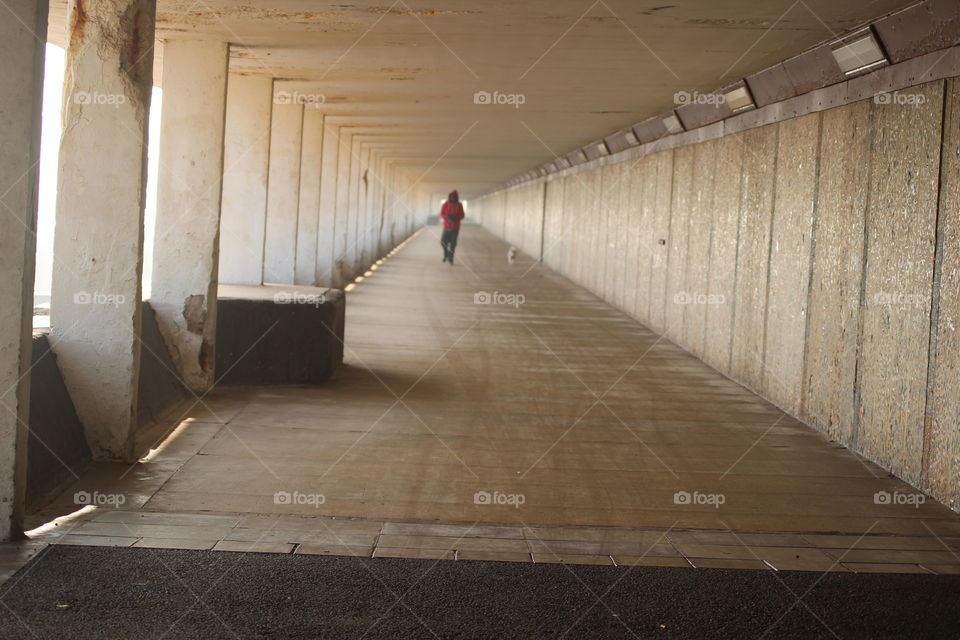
<point x="815" y="260"/>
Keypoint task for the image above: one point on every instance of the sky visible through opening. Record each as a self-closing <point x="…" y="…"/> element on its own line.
<point x="49" y="153"/>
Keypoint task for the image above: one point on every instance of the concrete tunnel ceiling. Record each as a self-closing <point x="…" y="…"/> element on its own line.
<point x="405" y="74"/>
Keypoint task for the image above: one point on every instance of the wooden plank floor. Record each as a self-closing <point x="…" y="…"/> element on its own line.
<point x="497" y="411"/>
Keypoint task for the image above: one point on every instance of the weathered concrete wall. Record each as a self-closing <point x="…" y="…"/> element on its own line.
<point x="21" y="88"/>
<point x="832" y="341"/>
<point x="900" y="240"/>
<point x="942" y="446"/>
<point x="753" y="252"/>
<point x="722" y="276"/>
<point x="815" y="260"/>
<point x="698" y="244"/>
<point x="790" y="253"/>
<point x="677" y="297"/>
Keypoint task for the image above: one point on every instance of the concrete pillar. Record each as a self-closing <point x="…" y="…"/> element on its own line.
<point x="363" y="202"/>
<point x="21" y="88"/>
<point x="328" y="207"/>
<point x="184" y="287"/>
<point x="283" y="192"/>
<point x="311" y="160"/>
<point x="344" y="162"/>
<point x="246" y="159"/>
<point x="95" y="304"/>
<point x="350" y="251"/>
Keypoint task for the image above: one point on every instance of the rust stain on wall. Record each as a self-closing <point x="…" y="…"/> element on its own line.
<point x="78" y="24"/>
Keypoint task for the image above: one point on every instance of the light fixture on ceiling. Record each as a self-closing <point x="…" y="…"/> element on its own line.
<point x="738" y="98"/>
<point x="672" y="123"/>
<point x="858" y="53"/>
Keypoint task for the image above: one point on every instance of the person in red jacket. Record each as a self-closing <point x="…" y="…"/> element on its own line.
<point x="451" y="213"/>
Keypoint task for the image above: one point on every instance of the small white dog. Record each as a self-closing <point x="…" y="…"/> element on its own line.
<point x="511" y="255"/>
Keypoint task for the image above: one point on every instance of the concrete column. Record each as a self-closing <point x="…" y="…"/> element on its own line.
<point x="311" y="160"/>
<point x="184" y="287"/>
<point x="21" y="87"/>
<point x="328" y="207"/>
<point x="246" y="158"/>
<point x="95" y="304"/>
<point x="353" y="210"/>
<point x="283" y="193"/>
<point x="344" y="162"/>
<point x="363" y="202"/>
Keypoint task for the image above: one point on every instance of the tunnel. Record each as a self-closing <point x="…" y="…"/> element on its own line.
<point x="531" y="319"/>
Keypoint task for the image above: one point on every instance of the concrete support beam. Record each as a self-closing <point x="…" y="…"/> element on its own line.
<point x="326" y="227"/>
<point x="283" y="193"/>
<point x="185" y="256"/>
<point x="95" y="305"/>
<point x="21" y="88"/>
<point x="246" y="159"/>
<point x="311" y="164"/>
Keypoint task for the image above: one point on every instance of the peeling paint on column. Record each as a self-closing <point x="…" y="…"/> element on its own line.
<point x="195" y="313"/>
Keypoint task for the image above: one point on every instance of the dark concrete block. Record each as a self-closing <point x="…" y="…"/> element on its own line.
<point x="279" y="335"/>
<point x="56" y="445"/>
<point x="160" y="388"/>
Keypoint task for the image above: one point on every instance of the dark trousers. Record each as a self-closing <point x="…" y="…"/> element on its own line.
<point x="448" y="240"/>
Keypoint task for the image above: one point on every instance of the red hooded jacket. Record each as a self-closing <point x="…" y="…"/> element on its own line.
<point x="452" y="213"/>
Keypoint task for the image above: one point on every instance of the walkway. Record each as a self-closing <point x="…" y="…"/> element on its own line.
<point x="496" y="411"/>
